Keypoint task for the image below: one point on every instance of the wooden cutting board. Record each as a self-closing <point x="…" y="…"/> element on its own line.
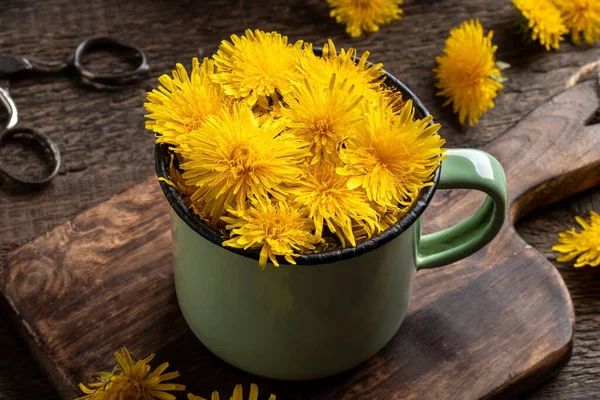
<point x="497" y="324"/>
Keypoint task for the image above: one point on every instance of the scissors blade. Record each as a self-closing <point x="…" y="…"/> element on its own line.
<point x="10" y="65"/>
<point x="10" y="107"/>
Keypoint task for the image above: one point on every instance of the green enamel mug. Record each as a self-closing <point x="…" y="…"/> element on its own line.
<point x="334" y="310"/>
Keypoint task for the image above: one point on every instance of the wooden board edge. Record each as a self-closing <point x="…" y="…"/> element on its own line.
<point x="551" y="365"/>
<point x="527" y="383"/>
<point x="554" y="190"/>
<point x="29" y="337"/>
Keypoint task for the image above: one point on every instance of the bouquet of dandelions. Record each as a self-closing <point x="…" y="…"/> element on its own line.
<point x="287" y="152"/>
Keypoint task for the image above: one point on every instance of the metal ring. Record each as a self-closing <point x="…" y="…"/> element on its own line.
<point x="45" y="141"/>
<point x="108" y="81"/>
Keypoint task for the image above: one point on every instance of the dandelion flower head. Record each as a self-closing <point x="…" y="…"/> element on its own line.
<point x="582" y="17"/>
<point x="276" y="229"/>
<point x="323" y="116"/>
<point x="132" y="380"/>
<point x="392" y="156"/>
<point x="181" y="103"/>
<point x="257" y="64"/>
<point x="234" y="157"/>
<point x="364" y="15"/>
<point x="330" y="202"/>
<point x="583" y="246"/>
<point x="349" y="70"/>
<point x="466" y="73"/>
<point x="543" y="21"/>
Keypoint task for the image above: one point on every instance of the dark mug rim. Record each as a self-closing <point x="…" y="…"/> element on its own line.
<point x="163" y="158"/>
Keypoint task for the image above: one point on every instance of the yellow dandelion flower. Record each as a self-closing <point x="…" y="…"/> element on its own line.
<point x="181" y="103"/>
<point x="467" y="73"/>
<point x="330" y="201"/>
<point x="132" y="380"/>
<point x="237" y="394"/>
<point x="323" y="116"/>
<point x="582" y="17"/>
<point x="393" y="100"/>
<point x="389" y="215"/>
<point x="392" y="156"/>
<point x="543" y="21"/>
<point x="360" y="233"/>
<point x="583" y="245"/>
<point x="364" y="15"/>
<point x="257" y="65"/>
<point x="277" y="230"/>
<point x="236" y="155"/>
<point x="348" y="69"/>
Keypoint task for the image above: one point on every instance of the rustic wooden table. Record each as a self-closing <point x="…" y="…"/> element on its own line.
<point x="106" y="149"/>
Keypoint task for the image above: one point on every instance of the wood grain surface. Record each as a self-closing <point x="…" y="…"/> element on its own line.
<point x="106" y="150"/>
<point x="494" y="325"/>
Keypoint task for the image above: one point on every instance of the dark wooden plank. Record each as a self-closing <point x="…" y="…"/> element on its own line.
<point x="102" y="138"/>
<point x="497" y="324"/>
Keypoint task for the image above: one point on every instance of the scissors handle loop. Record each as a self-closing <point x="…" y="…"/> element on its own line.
<point x="108" y="81"/>
<point x="47" y="143"/>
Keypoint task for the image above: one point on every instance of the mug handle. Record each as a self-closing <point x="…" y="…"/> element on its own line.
<point x="466" y="169"/>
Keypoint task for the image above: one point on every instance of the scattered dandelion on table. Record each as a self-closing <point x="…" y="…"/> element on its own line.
<point x="361" y="16"/>
<point x="135" y="380"/>
<point x="467" y="73"/>
<point x="542" y="22"/>
<point x="238" y="394"/>
<point x="582" y="246"/>
<point x="582" y="18"/>
<point x="132" y="380"/>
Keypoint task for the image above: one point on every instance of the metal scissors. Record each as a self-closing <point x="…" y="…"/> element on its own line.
<point x="11" y="66"/>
